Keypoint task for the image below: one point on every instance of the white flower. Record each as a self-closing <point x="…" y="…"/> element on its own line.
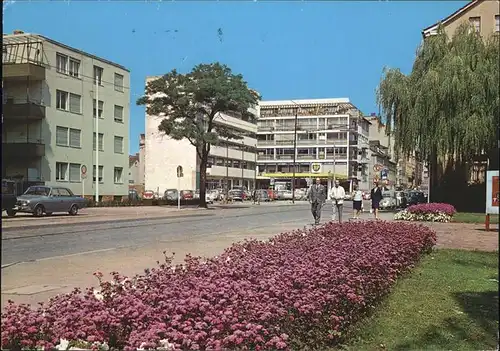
<point x="98" y="296"/>
<point x="63" y="343"/>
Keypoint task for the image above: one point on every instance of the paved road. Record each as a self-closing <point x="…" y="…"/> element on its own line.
<point x="30" y="244"/>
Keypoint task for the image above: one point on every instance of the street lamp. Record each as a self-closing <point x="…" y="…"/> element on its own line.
<point x="294" y="150"/>
<point x="242" y="169"/>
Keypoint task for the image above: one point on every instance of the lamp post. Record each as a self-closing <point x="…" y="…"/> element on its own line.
<point x="294" y="150"/>
<point x="227" y="171"/>
<point x="242" y="169"/>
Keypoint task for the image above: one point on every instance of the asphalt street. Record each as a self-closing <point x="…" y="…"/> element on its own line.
<point x="31" y="244"/>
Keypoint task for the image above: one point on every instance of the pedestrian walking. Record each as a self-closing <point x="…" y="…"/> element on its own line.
<point x="337" y="195"/>
<point x="357" y="201"/>
<point x="317" y="197"/>
<point x="376" y="195"/>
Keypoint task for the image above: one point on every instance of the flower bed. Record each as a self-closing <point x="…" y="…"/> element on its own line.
<point x="431" y="212"/>
<point x="306" y="287"/>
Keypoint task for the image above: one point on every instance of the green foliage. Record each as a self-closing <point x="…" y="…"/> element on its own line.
<point x="191" y="104"/>
<point x="449" y="103"/>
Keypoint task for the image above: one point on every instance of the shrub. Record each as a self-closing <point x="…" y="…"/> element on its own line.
<point x="431" y="212"/>
<point x="305" y="287"/>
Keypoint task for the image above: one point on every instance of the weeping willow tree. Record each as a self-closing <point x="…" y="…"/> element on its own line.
<point x="447" y="108"/>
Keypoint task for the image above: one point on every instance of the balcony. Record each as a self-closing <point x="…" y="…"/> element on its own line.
<point x="306" y="157"/>
<point x="23" y="71"/>
<point x="265" y="157"/>
<point x="20" y="149"/>
<point x="363" y="159"/>
<point x="23" y="111"/>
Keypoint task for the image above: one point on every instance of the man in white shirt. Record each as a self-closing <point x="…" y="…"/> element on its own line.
<point x="337" y="195"/>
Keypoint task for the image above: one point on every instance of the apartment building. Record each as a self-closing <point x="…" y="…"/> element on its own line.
<point x="483" y="15"/>
<point x="231" y="163"/>
<point x="331" y="141"/>
<point x="49" y="110"/>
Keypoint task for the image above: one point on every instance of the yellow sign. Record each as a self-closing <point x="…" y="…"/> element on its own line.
<point x="301" y="175"/>
<point x="315" y="167"/>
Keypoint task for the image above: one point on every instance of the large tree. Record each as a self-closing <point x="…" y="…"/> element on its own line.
<point x="447" y="108"/>
<point x="192" y="104"/>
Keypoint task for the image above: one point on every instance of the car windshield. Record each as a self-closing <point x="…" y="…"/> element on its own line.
<point x="37" y="190"/>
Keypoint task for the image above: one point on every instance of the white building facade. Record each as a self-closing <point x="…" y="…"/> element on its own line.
<point x="231" y="163"/>
<point x="332" y="141"/>
<point x="49" y="109"/>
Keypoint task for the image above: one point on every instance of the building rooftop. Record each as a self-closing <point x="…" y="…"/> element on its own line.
<point x="19" y="37"/>
<point x="433" y="28"/>
<point x="304" y="102"/>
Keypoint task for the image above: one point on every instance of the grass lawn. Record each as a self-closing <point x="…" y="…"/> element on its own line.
<point x="448" y="302"/>
<point x="467" y="217"/>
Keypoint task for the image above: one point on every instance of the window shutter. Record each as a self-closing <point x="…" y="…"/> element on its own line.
<point x="74" y="137"/>
<point x="74" y="172"/>
<point x="118" y="82"/>
<point x="118" y="145"/>
<point x="118" y="113"/>
<point x="62" y="136"/>
<point x="74" y="103"/>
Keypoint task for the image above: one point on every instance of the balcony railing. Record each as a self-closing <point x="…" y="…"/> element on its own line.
<point x="284" y="157"/>
<point x="265" y="157"/>
<point x="22" y="149"/>
<point x="23" y="110"/>
<point x="306" y="157"/>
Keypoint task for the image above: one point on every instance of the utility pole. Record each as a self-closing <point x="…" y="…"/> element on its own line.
<point x="97" y="136"/>
<point x="242" y="169"/>
<point x="227" y="171"/>
<point x="294" y="154"/>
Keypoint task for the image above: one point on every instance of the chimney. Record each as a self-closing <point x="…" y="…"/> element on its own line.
<point x="17" y="32"/>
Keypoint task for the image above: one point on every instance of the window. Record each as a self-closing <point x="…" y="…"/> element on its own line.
<point x="61" y="136"/>
<point x="118" y="82"/>
<point x="118" y="175"/>
<point x="497" y="23"/>
<point x="74" y="67"/>
<point x="64" y="192"/>
<point x="476" y="23"/>
<point x="68" y="137"/>
<point x="118" y="145"/>
<point x="118" y="113"/>
<point x="61" y="171"/>
<point x="75" y="138"/>
<point x="101" y="142"/>
<point x="98" y="71"/>
<point x="61" y="63"/>
<point x="62" y="100"/>
<point x="100" y="108"/>
<point x="100" y="173"/>
<point x="75" y="103"/>
<point x="74" y="172"/>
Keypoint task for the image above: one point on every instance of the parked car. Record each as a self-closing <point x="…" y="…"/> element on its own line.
<point x="388" y="201"/>
<point x="401" y="199"/>
<point x="45" y="199"/>
<point x="416" y="197"/>
<point x="287" y="195"/>
<point x="208" y="198"/>
<point x="148" y="194"/>
<point x="9" y="198"/>
<point x="170" y="194"/>
<point x="187" y="194"/>
<point x="214" y="194"/>
<point x="261" y="195"/>
<point x="196" y="194"/>
<point x="236" y="195"/>
<point x="133" y="195"/>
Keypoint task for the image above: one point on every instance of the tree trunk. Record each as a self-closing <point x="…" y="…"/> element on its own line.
<point x="203" y="182"/>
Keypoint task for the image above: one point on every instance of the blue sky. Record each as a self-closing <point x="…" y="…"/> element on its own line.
<point x="284" y="49"/>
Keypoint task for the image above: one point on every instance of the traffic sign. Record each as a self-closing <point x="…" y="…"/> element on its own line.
<point x="83" y="169"/>
<point x="180" y="173"/>
<point x="84" y="175"/>
<point x="271" y="181"/>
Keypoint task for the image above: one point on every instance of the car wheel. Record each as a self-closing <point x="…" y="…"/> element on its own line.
<point x="73" y="210"/>
<point x="38" y="211"/>
<point x="11" y="213"/>
<point x="49" y="213"/>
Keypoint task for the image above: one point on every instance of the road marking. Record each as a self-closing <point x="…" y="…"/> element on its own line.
<point x="75" y="254"/>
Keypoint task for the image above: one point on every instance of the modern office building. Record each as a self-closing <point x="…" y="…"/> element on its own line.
<point x="331" y="141"/>
<point x="49" y="108"/>
<point x="231" y="162"/>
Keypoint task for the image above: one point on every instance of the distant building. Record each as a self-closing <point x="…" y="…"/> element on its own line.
<point x="136" y="168"/>
<point x="483" y="15"/>
<point x="231" y="163"/>
<point x="332" y="138"/>
<point x="49" y="110"/>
